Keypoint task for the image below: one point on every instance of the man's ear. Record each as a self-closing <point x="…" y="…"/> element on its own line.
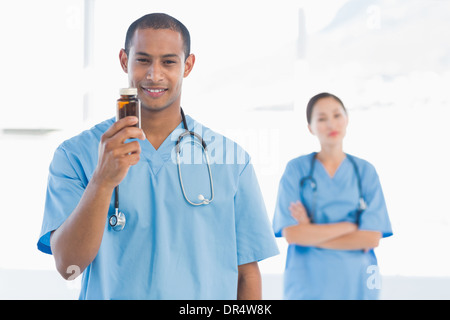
<point x="188" y="65"/>
<point x="123" y="57"/>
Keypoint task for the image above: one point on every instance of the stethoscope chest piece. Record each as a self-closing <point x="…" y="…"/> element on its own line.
<point x="199" y="141"/>
<point x="117" y="221"/>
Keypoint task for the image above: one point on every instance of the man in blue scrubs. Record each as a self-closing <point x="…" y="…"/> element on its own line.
<point x="169" y="248"/>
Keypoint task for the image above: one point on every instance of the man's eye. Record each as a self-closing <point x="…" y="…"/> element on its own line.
<point x="142" y="60"/>
<point x="169" y="62"/>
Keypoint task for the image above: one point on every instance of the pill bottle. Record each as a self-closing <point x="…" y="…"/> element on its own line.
<point x="129" y="105"/>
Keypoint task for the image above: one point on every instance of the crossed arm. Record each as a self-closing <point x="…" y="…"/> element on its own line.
<point x="339" y="236"/>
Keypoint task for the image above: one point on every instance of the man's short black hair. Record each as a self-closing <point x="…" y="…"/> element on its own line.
<point x="159" y="21"/>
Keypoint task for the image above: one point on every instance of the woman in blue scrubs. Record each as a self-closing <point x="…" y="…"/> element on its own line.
<point x="331" y="232"/>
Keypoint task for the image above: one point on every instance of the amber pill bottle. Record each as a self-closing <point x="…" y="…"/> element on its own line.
<point x="129" y="105"/>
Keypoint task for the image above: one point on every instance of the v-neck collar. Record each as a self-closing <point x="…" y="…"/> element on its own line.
<point x="156" y="158"/>
<point x="337" y="170"/>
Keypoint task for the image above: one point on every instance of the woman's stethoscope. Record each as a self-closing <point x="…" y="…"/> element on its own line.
<point x="362" y="205"/>
<point x="117" y="220"/>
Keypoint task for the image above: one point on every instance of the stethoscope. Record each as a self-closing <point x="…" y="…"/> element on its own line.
<point x="117" y="220"/>
<point x="362" y="205"/>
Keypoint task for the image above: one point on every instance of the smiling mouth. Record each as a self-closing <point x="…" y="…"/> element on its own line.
<point x="155" y="92"/>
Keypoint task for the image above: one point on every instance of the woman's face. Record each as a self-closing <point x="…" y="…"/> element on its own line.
<point x="328" y="121"/>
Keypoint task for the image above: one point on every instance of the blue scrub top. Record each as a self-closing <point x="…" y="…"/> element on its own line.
<point x="316" y="273"/>
<point x="168" y="249"/>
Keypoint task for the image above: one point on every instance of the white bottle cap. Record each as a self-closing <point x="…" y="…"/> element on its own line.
<point x="128" y="91"/>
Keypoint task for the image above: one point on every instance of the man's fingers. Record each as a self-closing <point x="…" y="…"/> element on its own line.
<point x="129" y="133"/>
<point x="127" y="149"/>
<point x="129" y="159"/>
<point x="119" y="125"/>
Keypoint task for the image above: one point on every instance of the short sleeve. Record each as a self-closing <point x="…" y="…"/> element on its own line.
<point x="375" y="216"/>
<point x="64" y="191"/>
<point x="254" y="237"/>
<point x="288" y="192"/>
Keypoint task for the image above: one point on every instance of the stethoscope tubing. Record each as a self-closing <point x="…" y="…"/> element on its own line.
<point x="203" y="200"/>
<point x="362" y="205"/>
<point x="117" y="220"/>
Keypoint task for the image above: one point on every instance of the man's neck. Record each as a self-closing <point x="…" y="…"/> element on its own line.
<point x="158" y="125"/>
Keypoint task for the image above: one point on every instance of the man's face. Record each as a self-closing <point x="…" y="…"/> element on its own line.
<point x="156" y="66"/>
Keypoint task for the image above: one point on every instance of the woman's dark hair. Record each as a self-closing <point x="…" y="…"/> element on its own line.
<point x="159" y="21"/>
<point x="317" y="97"/>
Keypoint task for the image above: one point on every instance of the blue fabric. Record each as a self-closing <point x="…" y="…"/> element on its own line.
<point x="316" y="273"/>
<point x="168" y="249"/>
